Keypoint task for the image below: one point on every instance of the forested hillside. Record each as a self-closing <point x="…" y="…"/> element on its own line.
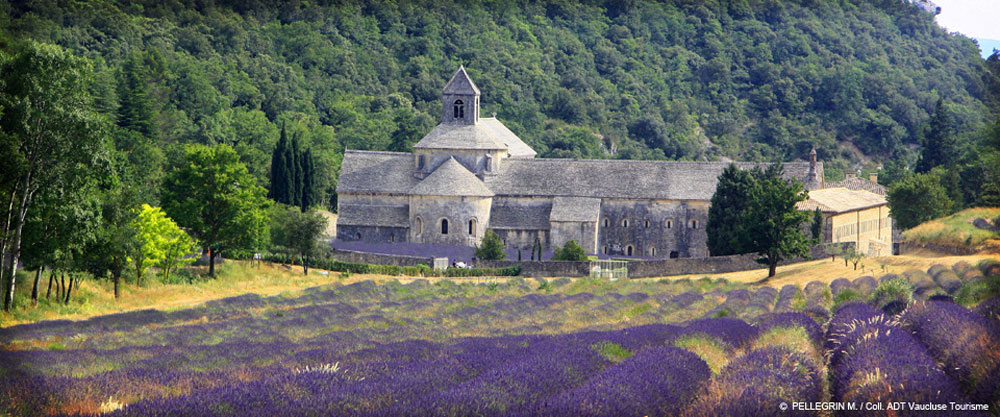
<point x="749" y="80"/>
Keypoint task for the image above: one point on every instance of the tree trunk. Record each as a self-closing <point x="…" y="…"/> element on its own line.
<point x="772" y="268"/>
<point x="62" y="285"/>
<point x="305" y="265"/>
<point x="211" y="263"/>
<point x="138" y="271"/>
<point x="116" y="275"/>
<point x="15" y="244"/>
<point x="48" y="293"/>
<point x="69" y="289"/>
<point x="34" y="288"/>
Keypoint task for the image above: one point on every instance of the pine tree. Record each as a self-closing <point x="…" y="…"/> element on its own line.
<point x="135" y="110"/>
<point x="729" y="204"/>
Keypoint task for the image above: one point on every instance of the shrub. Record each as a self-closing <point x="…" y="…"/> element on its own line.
<point x="948" y="281"/>
<point x="838" y="285"/>
<point x="865" y="285"/>
<point x="491" y="248"/>
<point x="845" y="296"/>
<point x="572" y="251"/>
<point x="890" y="291"/>
<point x="936" y="269"/>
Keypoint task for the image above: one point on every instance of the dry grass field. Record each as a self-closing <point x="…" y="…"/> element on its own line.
<point x="957" y="230"/>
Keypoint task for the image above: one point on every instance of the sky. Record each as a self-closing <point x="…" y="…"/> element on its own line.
<point x="977" y="19"/>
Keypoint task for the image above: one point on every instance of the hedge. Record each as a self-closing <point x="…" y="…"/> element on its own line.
<point x="395" y="270"/>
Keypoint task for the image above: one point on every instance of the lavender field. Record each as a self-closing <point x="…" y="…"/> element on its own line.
<point x="524" y="347"/>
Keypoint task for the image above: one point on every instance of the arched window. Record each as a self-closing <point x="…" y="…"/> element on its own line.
<point x="459" y="109"/>
<point x="472" y="226"/>
<point x="693" y="224"/>
<point x="444" y="226"/>
<point x="628" y="250"/>
<point x="668" y="223"/>
<point x="358" y="236"/>
<point x="625" y="222"/>
<point x="605" y="249"/>
<point x="607" y="222"/>
<point x="646" y="223"/>
<point x="419" y="225"/>
<point x="652" y="251"/>
<point x="392" y="238"/>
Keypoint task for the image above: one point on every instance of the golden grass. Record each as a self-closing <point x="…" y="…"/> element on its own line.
<point x="826" y="270"/>
<point x="957" y="230"/>
<point x="794" y="338"/>
<point x="96" y="297"/>
<point x="708" y="349"/>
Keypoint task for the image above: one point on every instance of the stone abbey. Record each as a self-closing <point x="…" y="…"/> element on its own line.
<point x="471" y="174"/>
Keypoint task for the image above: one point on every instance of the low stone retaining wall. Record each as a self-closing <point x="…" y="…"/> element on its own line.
<point x="907" y="247"/>
<point x="543" y="268"/>
<point x="379" y="258"/>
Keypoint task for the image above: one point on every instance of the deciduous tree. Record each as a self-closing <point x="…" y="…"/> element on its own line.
<point x="214" y="196"/>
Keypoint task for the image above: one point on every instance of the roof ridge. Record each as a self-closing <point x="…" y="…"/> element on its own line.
<point x="647" y="161"/>
<point x="376" y="152"/>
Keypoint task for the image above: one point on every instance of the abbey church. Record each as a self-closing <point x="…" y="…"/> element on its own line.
<point x="471" y="174"/>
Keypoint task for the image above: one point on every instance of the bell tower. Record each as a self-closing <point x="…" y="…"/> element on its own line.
<point x="460" y="100"/>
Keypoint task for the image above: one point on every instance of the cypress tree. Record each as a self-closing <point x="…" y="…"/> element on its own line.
<point x="296" y="174"/>
<point x="817" y="225"/>
<point x="730" y="203"/>
<point x="308" y="182"/>
<point x="940" y="144"/>
<point x="279" y="170"/>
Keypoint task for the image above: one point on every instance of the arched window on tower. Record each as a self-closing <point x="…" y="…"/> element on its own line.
<point x="444" y="226"/>
<point x="459" y="109"/>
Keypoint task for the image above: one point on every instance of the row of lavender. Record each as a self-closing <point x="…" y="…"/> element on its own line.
<point x="528" y="375"/>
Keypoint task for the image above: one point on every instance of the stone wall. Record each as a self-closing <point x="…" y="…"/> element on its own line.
<point x="907" y="247"/>
<point x="375" y="234"/>
<point x="379" y="258"/>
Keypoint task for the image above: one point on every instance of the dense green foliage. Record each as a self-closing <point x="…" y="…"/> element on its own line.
<point x="572" y="251"/>
<point x="748" y="80"/>
<point x="491" y="248"/>
<point x="297" y="233"/>
<point x="213" y="195"/>
<point x="757" y="213"/>
<point x="817" y="225"/>
<point x="730" y="203"/>
<point x="918" y="198"/>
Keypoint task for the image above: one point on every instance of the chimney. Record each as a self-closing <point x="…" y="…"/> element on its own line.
<point x="873" y="177"/>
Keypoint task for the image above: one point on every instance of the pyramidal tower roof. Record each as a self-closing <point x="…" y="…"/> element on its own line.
<point x="452" y="179"/>
<point x="461" y="83"/>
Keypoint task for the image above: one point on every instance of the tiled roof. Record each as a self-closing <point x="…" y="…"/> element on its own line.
<point x="668" y="180"/>
<point x="575" y="209"/>
<point x="452" y="179"/>
<point x="856" y="183"/>
<point x="840" y="200"/>
<point x="376" y="172"/>
<point x="518" y="216"/>
<point x="461" y="83"/>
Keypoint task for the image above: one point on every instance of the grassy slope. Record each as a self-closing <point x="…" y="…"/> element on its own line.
<point x="957" y="230"/>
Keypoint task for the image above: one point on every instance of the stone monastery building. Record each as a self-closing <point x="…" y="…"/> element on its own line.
<point x="471" y="174"/>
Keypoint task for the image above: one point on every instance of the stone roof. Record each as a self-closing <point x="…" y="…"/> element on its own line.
<point x="392" y="173"/>
<point x="519" y="216"/>
<point x="856" y="183"/>
<point x="840" y="200"/>
<point x="461" y="83"/>
<point x="488" y="134"/>
<point x="515" y="146"/>
<point x="452" y="179"/>
<point x="376" y="172"/>
<point x="373" y="215"/>
<point x="575" y="209"/>
<point x="667" y="180"/>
